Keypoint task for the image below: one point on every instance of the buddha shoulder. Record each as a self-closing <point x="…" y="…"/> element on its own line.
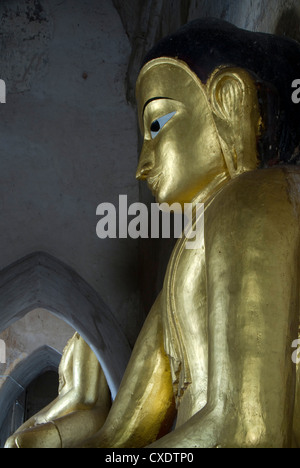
<point x="255" y="201"/>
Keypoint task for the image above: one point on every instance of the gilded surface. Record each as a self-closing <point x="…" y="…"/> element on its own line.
<point x="215" y="350"/>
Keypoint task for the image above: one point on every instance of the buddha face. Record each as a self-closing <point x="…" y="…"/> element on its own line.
<point x="181" y="153"/>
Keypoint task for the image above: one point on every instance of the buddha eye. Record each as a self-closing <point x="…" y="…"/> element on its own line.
<point x="158" y="124"/>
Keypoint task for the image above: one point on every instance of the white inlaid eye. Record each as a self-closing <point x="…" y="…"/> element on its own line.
<point x="158" y="124"/>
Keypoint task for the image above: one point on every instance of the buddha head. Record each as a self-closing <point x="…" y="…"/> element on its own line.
<point x="214" y="101"/>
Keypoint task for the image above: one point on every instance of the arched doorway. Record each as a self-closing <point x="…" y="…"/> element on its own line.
<point x="42" y="281"/>
<point x="30" y="387"/>
<point x="40" y="392"/>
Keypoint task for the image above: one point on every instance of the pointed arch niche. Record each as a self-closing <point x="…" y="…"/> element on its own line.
<point x="40" y="281"/>
<point x="44" y="360"/>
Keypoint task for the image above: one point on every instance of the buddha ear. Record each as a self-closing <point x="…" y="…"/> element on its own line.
<point x="227" y="92"/>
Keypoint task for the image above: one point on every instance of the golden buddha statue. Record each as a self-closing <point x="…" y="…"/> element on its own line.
<point x="215" y="352"/>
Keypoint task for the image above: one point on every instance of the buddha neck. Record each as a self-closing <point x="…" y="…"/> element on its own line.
<point x="212" y="188"/>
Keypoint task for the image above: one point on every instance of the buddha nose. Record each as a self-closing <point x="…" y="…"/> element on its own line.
<point x="146" y="163"/>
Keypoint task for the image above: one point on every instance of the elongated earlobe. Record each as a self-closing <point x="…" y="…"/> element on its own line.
<point x="234" y="102"/>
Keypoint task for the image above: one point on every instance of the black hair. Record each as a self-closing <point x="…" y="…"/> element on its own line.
<point x="273" y="61"/>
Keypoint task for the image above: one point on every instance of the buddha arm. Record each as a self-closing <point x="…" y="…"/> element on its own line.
<point x="252" y="287"/>
<point x="144" y="407"/>
<point x="84" y="380"/>
<point x="80" y="409"/>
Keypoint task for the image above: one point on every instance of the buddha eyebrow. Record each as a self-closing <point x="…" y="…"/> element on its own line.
<point x="155" y="99"/>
